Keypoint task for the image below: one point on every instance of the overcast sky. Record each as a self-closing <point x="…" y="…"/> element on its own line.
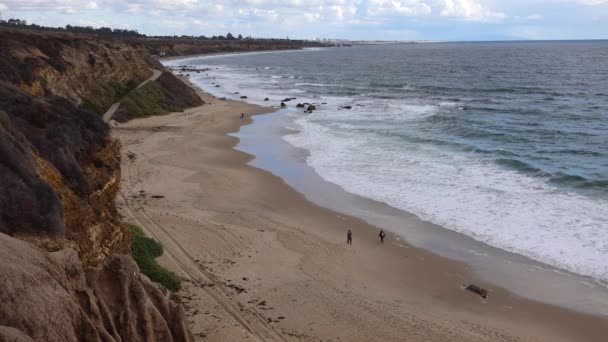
<point x="350" y="19"/>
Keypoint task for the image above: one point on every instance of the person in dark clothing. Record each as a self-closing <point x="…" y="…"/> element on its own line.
<point x="242" y="115"/>
<point x="381" y="235"/>
<point x="349" y="237"/>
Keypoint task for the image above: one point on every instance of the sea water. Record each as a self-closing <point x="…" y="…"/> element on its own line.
<point x="504" y="142"/>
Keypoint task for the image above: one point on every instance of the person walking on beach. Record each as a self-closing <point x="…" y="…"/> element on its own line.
<point x="381" y="235"/>
<point x="349" y="237"/>
<point x="242" y="115"/>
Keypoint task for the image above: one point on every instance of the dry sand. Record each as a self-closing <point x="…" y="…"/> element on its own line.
<point x="260" y="262"/>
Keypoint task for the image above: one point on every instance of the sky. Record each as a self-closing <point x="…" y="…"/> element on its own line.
<point x="452" y="20"/>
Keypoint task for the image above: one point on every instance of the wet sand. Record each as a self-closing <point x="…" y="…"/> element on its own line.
<point x="260" y="262"/>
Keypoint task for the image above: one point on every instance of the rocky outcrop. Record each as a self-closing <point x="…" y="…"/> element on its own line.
<point x="52" y="297"/>
<point x="90" y="72"/>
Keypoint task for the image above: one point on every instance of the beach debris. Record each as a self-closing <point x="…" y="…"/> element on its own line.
<point x="300" y="105"/>
<point x="158" y="196"/>
<point x="131" y="155"/>
<point x="266" y="99"/>
<point x="237" y="288"/>
<point x="283" y="105"/>
<point x="483" y="293"/>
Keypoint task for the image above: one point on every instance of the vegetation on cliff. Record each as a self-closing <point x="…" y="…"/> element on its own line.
<point x="52" y="297"/>
<point x="145" y="251"/>
<point x="166" y="94"/>
<point x="60" y="171"/>
<point x="102" y="31"/>
<point x="88" y="71"/>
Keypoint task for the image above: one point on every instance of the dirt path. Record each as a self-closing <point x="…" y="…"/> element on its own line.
<point x="107" y="116"/>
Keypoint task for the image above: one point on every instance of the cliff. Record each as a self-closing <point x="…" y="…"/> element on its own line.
<point x="88" y="71"/>
<point x="51" y="297"/>
<point x="192" y="46"/>
<point x="65" y="269"/>
<point x="61" y="174"/>
<point x="164" y="95"/>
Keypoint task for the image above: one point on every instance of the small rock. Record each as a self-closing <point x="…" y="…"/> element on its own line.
<point x="483" y="293"/>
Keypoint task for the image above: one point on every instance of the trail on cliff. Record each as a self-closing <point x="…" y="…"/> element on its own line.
<point x="107" y="116"/>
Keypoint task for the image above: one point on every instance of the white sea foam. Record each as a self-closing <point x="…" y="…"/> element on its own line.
<point x="459" y="191"/>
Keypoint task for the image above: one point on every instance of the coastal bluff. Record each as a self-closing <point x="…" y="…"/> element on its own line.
<point x="66" y="273"/>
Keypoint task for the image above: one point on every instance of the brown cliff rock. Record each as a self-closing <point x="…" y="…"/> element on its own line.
<point x="51" y="297"/>
<point x="86" y="70"/>
<point x="61" y="174"/>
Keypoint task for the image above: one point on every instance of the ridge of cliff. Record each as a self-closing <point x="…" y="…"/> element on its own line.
<point x="88" y="71"/>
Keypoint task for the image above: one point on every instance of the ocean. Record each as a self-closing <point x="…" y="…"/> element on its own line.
<point x="504" y="142"/>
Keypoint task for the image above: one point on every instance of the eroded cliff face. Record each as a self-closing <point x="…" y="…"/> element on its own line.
<point x="51" y="297"/>
<point x="61" y="174"/>
<point x="89" y="72"/>
<point x="65" y="269"/>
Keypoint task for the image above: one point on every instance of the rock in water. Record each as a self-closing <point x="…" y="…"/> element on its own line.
<point x="283" y="105"/>
<point x="311" y="108"/>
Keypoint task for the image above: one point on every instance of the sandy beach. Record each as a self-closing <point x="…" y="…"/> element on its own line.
<point x="260" y="262"/>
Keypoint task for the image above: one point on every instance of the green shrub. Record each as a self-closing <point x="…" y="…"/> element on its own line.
<point x="144" y="101"/>
<point x="145" y="251"/>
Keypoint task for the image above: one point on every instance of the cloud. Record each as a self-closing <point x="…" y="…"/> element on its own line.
<point x="399" y="7"/>
<point x="592" y="2"/>
<point x="469" y="10"/>
<point x="354" y="18"/>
